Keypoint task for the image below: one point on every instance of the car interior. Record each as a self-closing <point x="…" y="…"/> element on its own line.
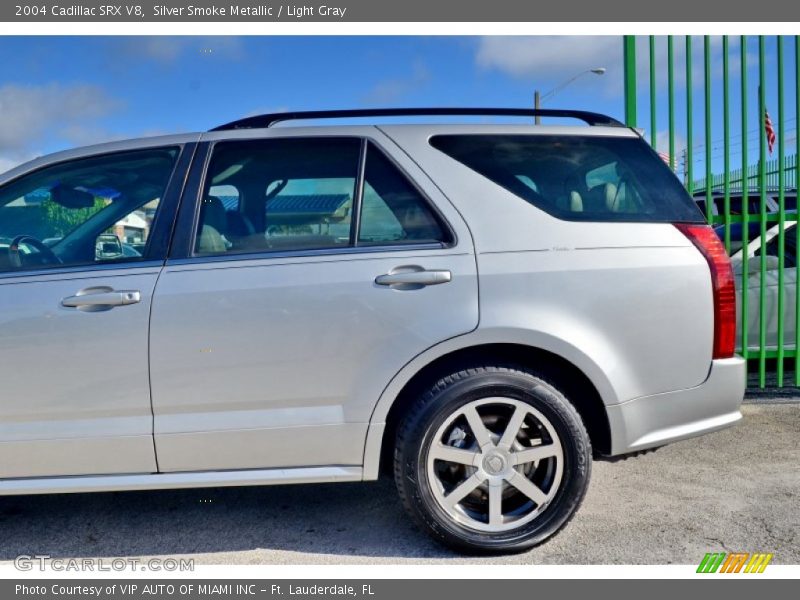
<point x="579" y="178"/>
<point x="297" y="194"/>
<point x="59" y="215"/>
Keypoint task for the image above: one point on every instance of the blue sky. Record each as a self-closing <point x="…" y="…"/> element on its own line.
<point x="60" y="92"/>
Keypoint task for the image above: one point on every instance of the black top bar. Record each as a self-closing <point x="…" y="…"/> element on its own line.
<point x="268" y="120"/>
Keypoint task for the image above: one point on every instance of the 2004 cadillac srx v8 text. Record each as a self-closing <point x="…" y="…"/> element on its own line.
<point x="478" y="307"/>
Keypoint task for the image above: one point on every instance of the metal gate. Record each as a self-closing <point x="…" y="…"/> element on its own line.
<point x="706" y="105"/>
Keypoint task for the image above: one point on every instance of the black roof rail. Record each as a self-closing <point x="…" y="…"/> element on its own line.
<point x="268" y="120"/>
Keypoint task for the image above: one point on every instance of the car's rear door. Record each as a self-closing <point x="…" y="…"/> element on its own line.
<point x="275" y="325"/>
<point x="82" y="243"/>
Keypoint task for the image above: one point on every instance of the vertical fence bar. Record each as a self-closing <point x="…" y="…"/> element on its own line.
<point x="762" y="190"/>
<point x="629" y="56"/>
<point x="671" y="99"/>
<point x="781" y="214"/>
<point x="745" y="203"/>
<point x="653" y="124"/>
<point x="689" y="154"/>
<point x="726" y="142"/>
<point x="797" y="225"/>
<point x="707" y="123"/>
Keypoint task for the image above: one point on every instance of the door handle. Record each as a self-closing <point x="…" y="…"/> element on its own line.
<point x="101" y="298"/>
<point x="413" y="278"/>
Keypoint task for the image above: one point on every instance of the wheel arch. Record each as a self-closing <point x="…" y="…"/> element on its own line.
<point x="585" y="384"/>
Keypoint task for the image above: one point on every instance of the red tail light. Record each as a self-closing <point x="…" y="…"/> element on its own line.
<point x="722" y="283"/>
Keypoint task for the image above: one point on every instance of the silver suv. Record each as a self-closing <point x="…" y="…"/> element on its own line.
<point x="477" y="307"/>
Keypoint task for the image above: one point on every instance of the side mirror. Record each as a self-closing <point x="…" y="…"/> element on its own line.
<point x="107" y="247"/>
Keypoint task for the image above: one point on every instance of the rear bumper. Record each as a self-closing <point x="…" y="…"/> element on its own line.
<point x="656" y="420"/>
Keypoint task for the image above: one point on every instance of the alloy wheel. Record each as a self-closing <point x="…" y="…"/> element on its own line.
<point x="495" y="464"/>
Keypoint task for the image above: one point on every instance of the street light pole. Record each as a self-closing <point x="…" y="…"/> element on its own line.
<point x="539" y="98"/>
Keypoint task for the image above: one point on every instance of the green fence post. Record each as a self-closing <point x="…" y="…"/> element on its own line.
<point x="762" y="189"/>
<point x="671" y="100"/>
<point x="653" y="124"/>
<point x="689" y="153"/>
<point x="745" y="183"/>
<point x="726" y="142"/>
<point x="707" y="123"/>
<point x="797" y="226"/>
<point x="781" y="215"/>
<point x="629" y="56"/>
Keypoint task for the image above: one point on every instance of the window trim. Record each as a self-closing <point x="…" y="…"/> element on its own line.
<point x="156" y="252"/>
<point x="358" y="196"/>
<point x="315" y="253"/>
<point x="184" y="242"/>
<point x="81" y="271"/>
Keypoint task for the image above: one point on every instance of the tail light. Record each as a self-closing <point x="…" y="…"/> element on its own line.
<point x="722" y="283"/>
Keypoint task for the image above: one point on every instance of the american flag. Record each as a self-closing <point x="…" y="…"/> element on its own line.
<point x="769" y="130"/>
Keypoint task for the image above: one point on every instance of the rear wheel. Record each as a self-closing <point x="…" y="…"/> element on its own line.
<point x="492" y="459"/>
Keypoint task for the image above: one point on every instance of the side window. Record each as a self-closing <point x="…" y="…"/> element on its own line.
<point x="87" y="211"/>
<point x="278" y="195"/>
<point x="577" y="178"/>
<point x="773" y="247"/>
<point x="392" y="210"/>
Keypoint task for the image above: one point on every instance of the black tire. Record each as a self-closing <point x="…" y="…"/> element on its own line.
<point x="433" y="408"/>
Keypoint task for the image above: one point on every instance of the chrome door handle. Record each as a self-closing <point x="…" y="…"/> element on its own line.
<point x="412" y="278"/>
<point x="101" y="298"/>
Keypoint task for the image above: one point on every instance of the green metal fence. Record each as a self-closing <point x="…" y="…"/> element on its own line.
<point x="715" y="136"/>
<point x="734" y="177"/>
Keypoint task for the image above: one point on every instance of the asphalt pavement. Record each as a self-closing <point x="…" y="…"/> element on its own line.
<point x="734" y="490"/>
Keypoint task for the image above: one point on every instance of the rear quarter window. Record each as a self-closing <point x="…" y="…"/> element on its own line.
<point x="578" y="178"/>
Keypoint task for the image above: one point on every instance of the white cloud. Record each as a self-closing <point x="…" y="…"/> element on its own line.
<point x="160" y="49"/>
<point x="548" y="60"/>
<point x="32" y="114"/>
<point x="662" y="143"/>
<point x="167" y="50"/>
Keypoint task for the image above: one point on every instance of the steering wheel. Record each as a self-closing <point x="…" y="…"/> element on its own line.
<point x="15" y="256"/>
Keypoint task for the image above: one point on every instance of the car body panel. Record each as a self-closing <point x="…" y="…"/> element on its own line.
<point x="653" y="421"/>
<point x="280" y="358"/>
<point x="161" y="481"/>
<point x="76" y="395"/>
<point x="628" y="294"/>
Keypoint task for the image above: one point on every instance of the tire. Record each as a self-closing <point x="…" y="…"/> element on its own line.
<point x="460" y="483"/>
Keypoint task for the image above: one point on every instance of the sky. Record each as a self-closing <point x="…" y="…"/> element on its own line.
<point x="62" y="92"/>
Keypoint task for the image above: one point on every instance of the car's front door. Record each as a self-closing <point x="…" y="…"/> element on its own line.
<point x="81" y="245"/>
<point x="316" y="271"/>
